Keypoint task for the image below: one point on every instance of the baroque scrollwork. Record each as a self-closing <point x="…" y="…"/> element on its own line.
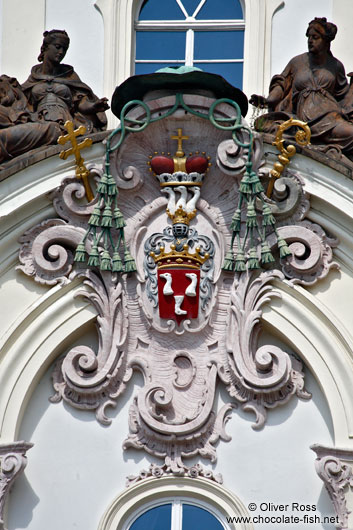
<point x="12" y="462"/>
<point x="155" y="471"/>
<point x="259" y="378"/>
<point x="182" y="321"/>
<point x="94" y="380"/>
<point x="334" y="467"/>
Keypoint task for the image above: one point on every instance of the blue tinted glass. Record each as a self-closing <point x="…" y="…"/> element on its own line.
<point x="158" y="518"/>
<point x="221" y="9"/>
<point x="161" y="10"/>
<point x="166" y="45"/>
<point x="232" y="72"/>
<point x="218" y="45"/>
<point x="190" y="6"/>
<point x="195" y="518"/>
<point x="150" y="68"/>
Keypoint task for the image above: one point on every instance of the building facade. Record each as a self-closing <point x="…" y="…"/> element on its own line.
<point x="233" y="450"/>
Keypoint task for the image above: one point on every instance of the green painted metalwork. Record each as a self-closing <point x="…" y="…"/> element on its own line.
<point x="106" y="224"/>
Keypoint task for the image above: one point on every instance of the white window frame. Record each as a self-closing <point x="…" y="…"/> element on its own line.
<point x="177" y="511"/>
<point x="190" y="25"/>
<point x="151" y="492"/>
<point x="120" y="16"/>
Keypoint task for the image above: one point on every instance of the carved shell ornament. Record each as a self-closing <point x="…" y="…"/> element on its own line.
<point x="178" y="262"/>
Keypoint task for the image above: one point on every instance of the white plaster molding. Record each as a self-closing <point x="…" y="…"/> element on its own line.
<point x="31" y="345"/>
<point x="324" y="346"/>
<point x="119" y="43"/>
<point x="211" y="493"/>
<point x="334" y="467"/>
<point x="20" y="189"/>
<point x="257" y="44"/>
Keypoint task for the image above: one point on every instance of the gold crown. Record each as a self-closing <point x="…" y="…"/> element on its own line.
<point x="175" y="259"/>
<point x="181" y="216"/>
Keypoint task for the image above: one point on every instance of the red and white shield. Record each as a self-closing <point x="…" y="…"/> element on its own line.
<point x="178" y="293"/>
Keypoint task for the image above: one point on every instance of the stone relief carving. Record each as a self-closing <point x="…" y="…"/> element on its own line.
<point x="196" y="471"/>
<point x="184" y="320"/>
<point x="12" y="462"/>
<point x="334" y="467"/>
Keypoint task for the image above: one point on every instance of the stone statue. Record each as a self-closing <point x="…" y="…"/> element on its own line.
<point x="56" y="93"/>
<point x="313" y="87"/>
<point x="18" y="131"/>
<point x="34" y="115"/>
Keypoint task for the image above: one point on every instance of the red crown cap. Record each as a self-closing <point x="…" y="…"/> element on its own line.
<point x="162" y="164"/>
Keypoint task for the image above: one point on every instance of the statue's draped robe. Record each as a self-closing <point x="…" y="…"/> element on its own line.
<point x="57" y="98"/>
<point x="316" y="94"/>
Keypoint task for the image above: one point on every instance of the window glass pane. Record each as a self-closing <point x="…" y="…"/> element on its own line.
<point x="232" y="72"/>
<point x="150" y="68"/>
<point x="221" y="9"/>
<point x="195" y="518"/>
<point x="165" y="10"/>
<point x="166" y="45"/>
<point x="158" y="518"/>
<point x="218" y="45"/>
<point x="190" y="6"/>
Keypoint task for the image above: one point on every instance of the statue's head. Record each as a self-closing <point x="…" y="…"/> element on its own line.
<point x="54" y="37"/>
<point x="326" y="30"/>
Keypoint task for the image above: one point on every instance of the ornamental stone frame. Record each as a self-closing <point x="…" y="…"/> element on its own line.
<point x="172" y="417"/>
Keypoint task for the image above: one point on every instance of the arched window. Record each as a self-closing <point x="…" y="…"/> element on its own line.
<point x="178" y="514"/>
<point x="208" y="34"/>
<point x="175" y="503"/>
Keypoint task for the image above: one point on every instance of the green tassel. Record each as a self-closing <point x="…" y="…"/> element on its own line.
<point x="117" y="263"/>
<point x="228" y="264"/>
<point x="112" y="189"/>
<point x="266" y="255"/>
<point x="102" y="187"/>
<point x="80" y="254"/>
<point x="251" y="216"/>
<point x="94" y="220"/>
<point x="245" y="185"/>
<point x="118" y="218"/>
<point x="240" y="261"/>
<point x="253" y="262"/>
<point x="130" y="265"/>
<point x="236" y="221"/>
<point x="107" y="217"/>
<point x="255" y="183"/>
<point x="283" y="248"/>
<point x="105" y="262"/>
<point x="268" y="218"/>
<point x="93" y="259"/>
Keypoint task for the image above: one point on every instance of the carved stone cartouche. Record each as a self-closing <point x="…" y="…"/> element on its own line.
<point x="182" y="358"/>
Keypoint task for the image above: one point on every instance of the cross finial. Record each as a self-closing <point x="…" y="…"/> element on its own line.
<point x="81" y="171"/>
<point x="180" y="153"/>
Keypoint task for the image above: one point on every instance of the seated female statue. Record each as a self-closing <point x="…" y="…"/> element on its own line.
<point x="56" y="93"/>
<point x="19" y="133"/>
<point x="313" y="87"/>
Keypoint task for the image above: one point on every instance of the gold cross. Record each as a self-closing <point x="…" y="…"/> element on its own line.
<point x="180" y="153"/>
<point x="81" y="171"/>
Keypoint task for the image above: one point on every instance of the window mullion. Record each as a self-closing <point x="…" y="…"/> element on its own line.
<point x="182" y="8"/>
<point x="177" y="515"/>
<point x="189" y="48"/>
<point x="197" y="10"/>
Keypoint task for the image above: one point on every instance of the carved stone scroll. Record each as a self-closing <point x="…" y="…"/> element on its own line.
<point x="334" y="467"/>
<point x="12" y="462"/>
<point x="181" y="321"/>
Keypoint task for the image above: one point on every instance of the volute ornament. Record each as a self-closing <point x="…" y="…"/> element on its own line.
<point x="178" y="267"/>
